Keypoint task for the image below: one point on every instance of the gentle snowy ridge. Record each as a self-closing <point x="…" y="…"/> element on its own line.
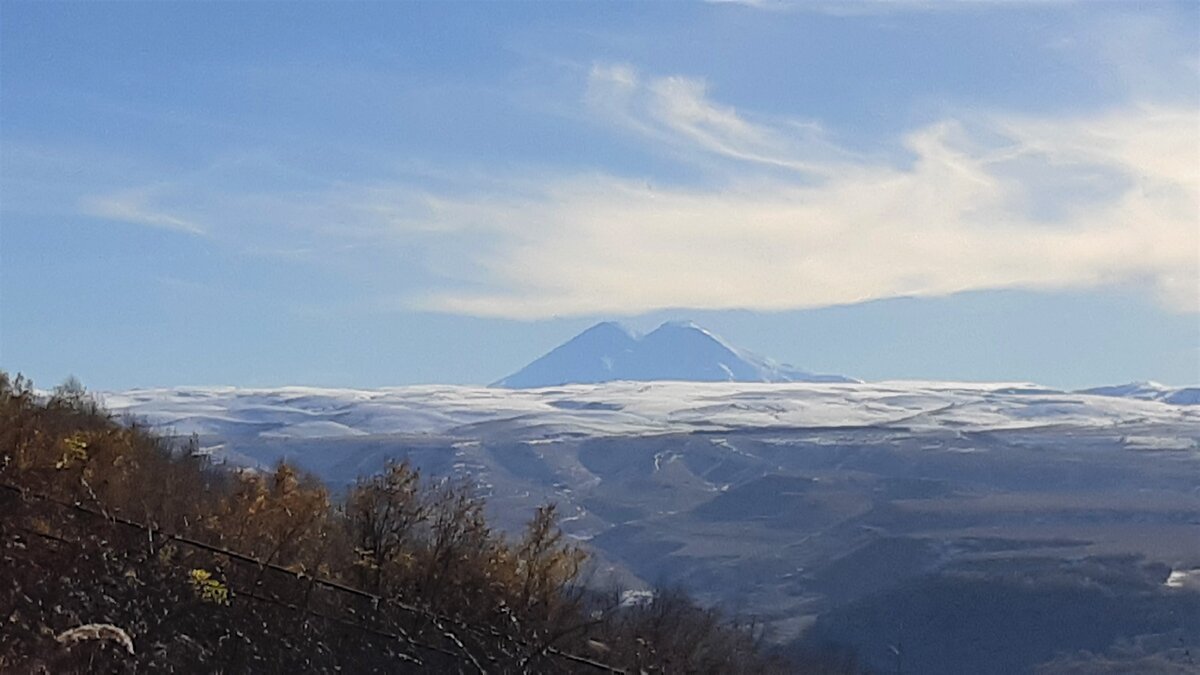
<point x="631" y="408"/>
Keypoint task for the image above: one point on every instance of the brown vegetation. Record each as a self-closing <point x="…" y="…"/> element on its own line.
<point x="205" y="569"/>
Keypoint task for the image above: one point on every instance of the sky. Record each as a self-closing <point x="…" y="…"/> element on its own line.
<point x="346" y="194"/>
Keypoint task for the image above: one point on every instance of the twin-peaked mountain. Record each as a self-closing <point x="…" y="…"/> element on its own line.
<point x="673" y="351"/>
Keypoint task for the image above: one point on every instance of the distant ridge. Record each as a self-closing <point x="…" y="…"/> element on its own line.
<point x="1149" y="391"/>
<point x="676" y="350"/>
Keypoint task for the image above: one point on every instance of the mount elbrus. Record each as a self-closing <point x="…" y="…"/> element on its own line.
<point x="676" y="350"/>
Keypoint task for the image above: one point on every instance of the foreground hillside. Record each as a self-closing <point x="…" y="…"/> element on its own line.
<point x="982" y="528"/>
<point x="121" y="551"/>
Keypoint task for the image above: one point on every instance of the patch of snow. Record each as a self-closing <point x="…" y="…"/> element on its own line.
<point x="636" y="598"/>
<point x="313" y="429"/>
<point x="1159" y="443"/>
<point x="1184" y="579"/>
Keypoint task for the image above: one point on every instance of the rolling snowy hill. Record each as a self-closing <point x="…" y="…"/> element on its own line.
<point x="1150" y="391"/>
<point x="634" y="409"/>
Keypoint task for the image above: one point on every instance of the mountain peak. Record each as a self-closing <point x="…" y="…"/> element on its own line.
<point x="681" y="323"/>
<point x="608" y="327"/>
<point x="683" y="329"/>
<point x="676" y="350"/>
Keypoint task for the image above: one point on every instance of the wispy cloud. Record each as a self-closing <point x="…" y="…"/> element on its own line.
<point x="790" y="220"/>
<point x="678" y="111"/>
<point x="756" y="4"/>
<point x="136" y="206"/>
<point x="974" y="209"/>
<point x="868" y="7"/>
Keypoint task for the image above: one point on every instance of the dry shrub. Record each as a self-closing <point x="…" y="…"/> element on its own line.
<point x="414" y="542"/>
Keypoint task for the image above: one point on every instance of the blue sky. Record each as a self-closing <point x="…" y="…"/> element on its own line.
<point x="373" y="194"/>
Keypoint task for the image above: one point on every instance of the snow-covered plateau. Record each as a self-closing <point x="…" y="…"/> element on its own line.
<point x="643" y="408"/>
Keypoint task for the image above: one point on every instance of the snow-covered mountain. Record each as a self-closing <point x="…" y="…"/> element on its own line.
<point x="676" y="350"/>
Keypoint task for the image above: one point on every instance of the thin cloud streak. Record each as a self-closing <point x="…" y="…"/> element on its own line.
<point x="677" y="112"/>
<point x="135" y="207"/>
<point x="849" y="8"/>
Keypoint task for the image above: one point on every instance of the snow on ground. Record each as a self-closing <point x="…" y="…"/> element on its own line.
<point x="1184" y="579"/>
<point x="631" y="408"/>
